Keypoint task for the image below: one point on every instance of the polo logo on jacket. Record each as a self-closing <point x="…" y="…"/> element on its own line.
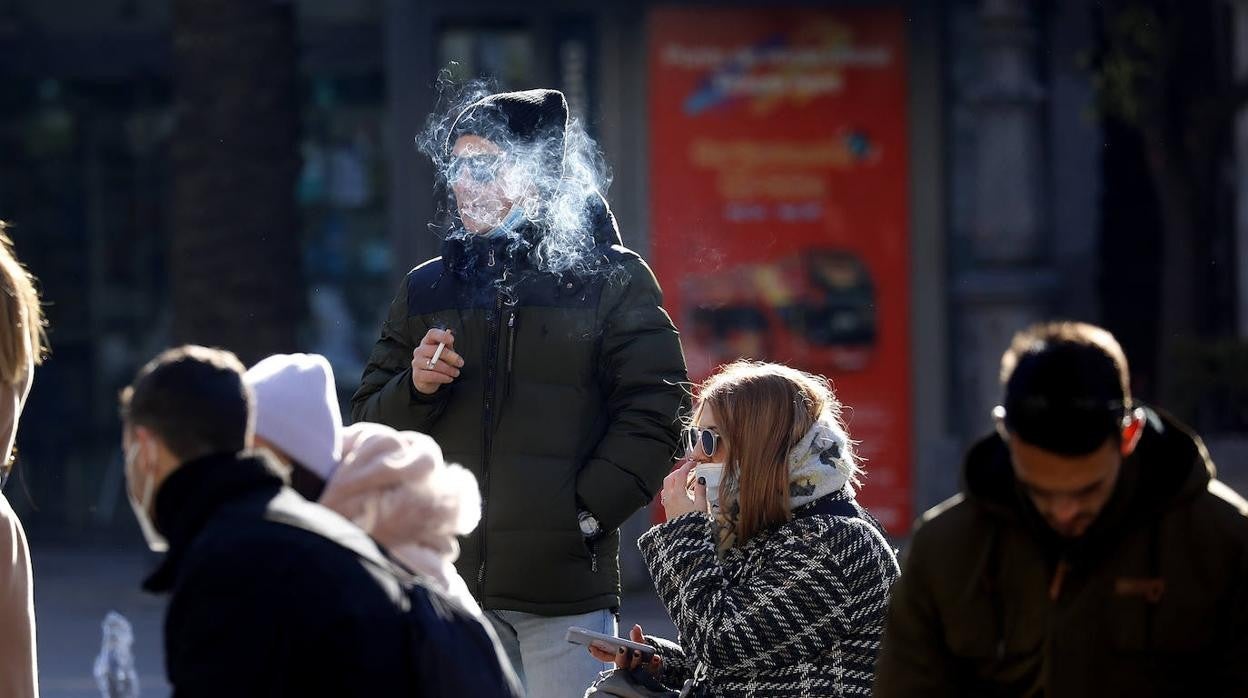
<point x="1150" y="588"/>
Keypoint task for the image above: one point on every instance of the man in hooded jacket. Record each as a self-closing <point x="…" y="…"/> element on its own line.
<point x="536" y="352"/>
<point x="1092" y="551"/>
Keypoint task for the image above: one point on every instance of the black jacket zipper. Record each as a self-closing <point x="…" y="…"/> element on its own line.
<point x="487" y="425"/>
<point x="511" y="351"/>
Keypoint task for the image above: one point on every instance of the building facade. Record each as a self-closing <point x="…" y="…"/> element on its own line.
<point x="1003" y="188"/>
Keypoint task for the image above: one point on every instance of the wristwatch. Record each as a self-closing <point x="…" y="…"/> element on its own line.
<point x="590" y="528"/>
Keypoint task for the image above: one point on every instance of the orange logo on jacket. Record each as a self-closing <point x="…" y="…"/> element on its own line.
<point x="1151" y="588"/>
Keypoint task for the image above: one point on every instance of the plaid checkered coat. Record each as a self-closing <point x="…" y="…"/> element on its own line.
<point x="796" y="611"/>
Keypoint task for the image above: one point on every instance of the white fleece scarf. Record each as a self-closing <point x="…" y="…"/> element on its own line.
<point x="821" y="463"/>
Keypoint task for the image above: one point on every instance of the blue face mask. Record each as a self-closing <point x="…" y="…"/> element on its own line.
<point x="510" y="223"/>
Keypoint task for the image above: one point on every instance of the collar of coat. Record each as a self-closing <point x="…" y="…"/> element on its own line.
<point x="192" y="493"/>
<point x="466" y="255"/>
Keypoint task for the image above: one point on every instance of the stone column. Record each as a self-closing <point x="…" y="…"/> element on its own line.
<point x="408" y="37"/>
<point x="1003" y="282"/>
<point x="1239" y="60"/>
<point x="1076" y="142"/>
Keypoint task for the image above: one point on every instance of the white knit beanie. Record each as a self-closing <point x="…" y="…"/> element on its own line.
<point x="297" y="409"/>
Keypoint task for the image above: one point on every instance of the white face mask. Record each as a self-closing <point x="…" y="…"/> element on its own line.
<point x="142" y="508"/>
<point x="714" y="474"/>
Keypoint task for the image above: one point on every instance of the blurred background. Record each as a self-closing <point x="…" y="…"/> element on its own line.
<point x="879" y="191"/>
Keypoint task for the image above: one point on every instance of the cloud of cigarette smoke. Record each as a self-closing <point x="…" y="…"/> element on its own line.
<point x="558" y="189"/>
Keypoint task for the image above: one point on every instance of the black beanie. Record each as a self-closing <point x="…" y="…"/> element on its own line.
<point x="524" y="117"/>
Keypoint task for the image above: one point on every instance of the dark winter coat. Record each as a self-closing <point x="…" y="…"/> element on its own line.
<point x="1151" y="601"/>
<point x="569" y="398"/>
<point x="795" y="611"/>
<point x="263" y="608"/>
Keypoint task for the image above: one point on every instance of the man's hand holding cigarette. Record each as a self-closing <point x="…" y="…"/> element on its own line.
<point x="434" y="362"/>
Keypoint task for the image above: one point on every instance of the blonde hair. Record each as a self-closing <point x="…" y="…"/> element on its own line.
<point x="23" y="339"/>
<point x="763" y="411"/>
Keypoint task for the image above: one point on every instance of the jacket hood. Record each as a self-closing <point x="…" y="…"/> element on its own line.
<point x="395" y="485"/>
<point x="1169" y="465"/>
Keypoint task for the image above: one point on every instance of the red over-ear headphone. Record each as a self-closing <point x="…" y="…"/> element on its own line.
<point x="1132" y="429"/>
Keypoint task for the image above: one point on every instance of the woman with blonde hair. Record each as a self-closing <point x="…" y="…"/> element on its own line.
<point x="778" y="583"/>
<point x="22" y="342"/>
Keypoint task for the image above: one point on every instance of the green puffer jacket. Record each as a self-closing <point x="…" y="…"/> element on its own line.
<point x="1151" y="601"/>
<point x="569" y="398"/>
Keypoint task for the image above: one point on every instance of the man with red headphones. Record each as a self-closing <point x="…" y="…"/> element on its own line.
<point x="1091" y="552"/>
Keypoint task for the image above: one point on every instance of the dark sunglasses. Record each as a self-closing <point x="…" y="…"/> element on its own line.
<point x="482" y="167"/>
<point x="707" y="439"/>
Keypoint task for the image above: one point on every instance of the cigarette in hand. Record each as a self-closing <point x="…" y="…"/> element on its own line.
<point x="437" y="354"/>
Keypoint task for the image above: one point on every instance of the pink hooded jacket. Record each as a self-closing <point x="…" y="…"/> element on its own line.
<point x="395" y="486"/>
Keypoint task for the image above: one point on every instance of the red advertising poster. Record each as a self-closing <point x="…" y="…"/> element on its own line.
<point x="778" y="207"/>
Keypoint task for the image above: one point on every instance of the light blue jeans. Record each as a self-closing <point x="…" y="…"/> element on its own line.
<point x="548" y="665"/>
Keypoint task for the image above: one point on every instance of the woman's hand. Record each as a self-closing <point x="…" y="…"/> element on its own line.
<point x="677" y="497"/>
<point x="627" y="659"/>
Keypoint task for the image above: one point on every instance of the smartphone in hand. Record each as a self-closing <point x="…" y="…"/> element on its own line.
<point x="581" y="636"/>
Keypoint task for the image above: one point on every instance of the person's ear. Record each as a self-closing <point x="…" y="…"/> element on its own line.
<point x="1132" y="430"/>
<point x="140" y="441"/>
<point x="149" y="448"/>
